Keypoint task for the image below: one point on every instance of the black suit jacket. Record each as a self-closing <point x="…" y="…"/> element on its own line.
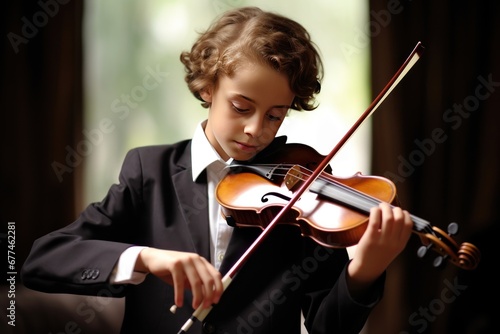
<point x="157" y="204"/>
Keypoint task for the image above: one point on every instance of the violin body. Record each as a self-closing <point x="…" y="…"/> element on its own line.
<point x="250" y="200"/>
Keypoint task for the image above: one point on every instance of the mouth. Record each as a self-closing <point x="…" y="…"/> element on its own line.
<point x="246" y="147"/>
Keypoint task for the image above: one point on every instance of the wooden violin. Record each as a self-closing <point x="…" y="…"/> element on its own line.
<point x="334" y="212"/>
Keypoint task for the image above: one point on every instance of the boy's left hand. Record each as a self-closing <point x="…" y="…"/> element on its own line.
<point x="388" y="231"/>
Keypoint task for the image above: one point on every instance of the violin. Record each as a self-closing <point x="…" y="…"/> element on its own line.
<point x="333" y="212"/>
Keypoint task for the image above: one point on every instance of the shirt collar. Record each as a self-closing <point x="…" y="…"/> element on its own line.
<point x="202" y="152"/>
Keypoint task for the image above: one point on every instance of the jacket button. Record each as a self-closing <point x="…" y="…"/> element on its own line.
<point x="208" y="328"/>
<point x="84" y="274"/>
<point x="90" y="274"/>
<point x="95" y="273"/>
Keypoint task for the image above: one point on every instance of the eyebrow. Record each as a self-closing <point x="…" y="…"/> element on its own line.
<point x="253" y="101"/>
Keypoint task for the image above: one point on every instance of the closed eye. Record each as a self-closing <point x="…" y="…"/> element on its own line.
<point x="240" y="110"/>
<point x="273" y="118"/>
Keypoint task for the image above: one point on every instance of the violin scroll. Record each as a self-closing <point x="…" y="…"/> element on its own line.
<point x="465" y="256"/>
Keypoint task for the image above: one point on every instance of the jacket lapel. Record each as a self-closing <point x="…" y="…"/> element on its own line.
<point x="192" y="197"/>
<point x="241" y="240"/>
<point x="193" y="203"/>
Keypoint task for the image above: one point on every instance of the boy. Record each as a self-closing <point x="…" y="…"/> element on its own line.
<point x="158" y="236"/>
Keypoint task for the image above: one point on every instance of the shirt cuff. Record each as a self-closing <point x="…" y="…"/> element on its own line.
<point x="124" y="272"/>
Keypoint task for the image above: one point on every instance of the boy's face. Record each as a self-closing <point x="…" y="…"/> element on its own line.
<point x="246" y="110"/>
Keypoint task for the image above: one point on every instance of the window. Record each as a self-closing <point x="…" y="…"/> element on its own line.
<point x="135" y="92"/>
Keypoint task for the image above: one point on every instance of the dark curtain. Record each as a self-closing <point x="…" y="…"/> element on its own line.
<point x="41" y="107"/>
<point x="42" y="160"/>
<point x="41" y="103"/>
<point x="436" y="137"/>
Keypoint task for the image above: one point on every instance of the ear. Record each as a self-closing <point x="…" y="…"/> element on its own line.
<point x="206" y="94"/>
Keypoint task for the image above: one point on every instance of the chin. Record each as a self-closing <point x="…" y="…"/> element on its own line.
<point x="243" y="157"/>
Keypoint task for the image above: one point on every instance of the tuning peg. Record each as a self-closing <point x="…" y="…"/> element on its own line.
<point x="422" y="250"/>
<point x="438" y="261"/>
<point x="452" y="228"/>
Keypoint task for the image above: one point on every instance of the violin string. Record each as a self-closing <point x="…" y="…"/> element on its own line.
<point x="365" y="202"/>
<point x="357" y="199"/>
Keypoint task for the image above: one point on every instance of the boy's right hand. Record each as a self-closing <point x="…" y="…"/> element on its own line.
<point x="183" y="270"/>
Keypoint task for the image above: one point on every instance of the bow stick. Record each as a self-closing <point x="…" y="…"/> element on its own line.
<point x="200" y="313"/>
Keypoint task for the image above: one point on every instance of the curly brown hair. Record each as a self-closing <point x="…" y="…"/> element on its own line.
<point x="250" y="33"/>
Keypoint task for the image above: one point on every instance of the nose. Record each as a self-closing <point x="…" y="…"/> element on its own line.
<point x="254" y="125"/>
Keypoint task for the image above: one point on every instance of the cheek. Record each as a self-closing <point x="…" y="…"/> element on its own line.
<point x="271" y="130"/>
<point x="224" y="126"/>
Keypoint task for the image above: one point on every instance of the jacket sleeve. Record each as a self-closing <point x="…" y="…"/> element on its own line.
<point x="80" y="257"/>
<point x="336" y="311"/>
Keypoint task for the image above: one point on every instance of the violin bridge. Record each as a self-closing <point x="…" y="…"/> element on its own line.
<point x="293" y="177"/>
